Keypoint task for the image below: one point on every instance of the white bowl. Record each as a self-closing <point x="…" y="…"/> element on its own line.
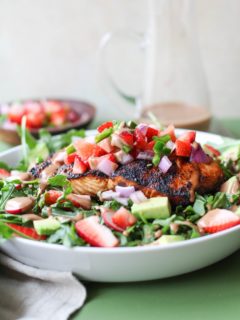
<point x="124" y="264"/>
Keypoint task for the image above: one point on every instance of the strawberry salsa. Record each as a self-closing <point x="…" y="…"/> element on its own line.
<point x="47" y="209"/>
<point x="39" y="114"/>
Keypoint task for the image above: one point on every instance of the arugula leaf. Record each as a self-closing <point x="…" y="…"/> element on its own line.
<point x="164" y="222"/>
<point x="67" y="236"/>
<point x="199" y="206"/>
<point x="5" y="232"/>
<point x="6" y="193"/>
<point x="59" y="180"/>
<point x="148" y="233"/>
<point x="55" y="143"/>
<point x="11" y="218"/>
<point x="114" y="205"/>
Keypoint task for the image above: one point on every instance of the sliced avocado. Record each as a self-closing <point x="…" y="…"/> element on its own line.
<point x="46" y="226"/>
<point x="154" y="208"/>
<point x="165" y="239"/>
<point x="231" y="153"/>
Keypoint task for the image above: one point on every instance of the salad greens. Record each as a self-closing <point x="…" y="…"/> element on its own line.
<point x="56" y="198"/>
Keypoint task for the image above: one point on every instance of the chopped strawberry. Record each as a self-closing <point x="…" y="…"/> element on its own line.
<point x="79" y="166"/>
<point x="171" y="131"/>
<point x="16" y="113"/>
<point x="4" y="173"/>
<point x="86" y="149"/>
<point x="107" y="215"/>
<point x="212" y="150"/>
<point x="33" y="107"/>
<point x="52" y="196"/>
<point x="111" y="157"/>
<point x="106" y="145"/>
<point x="150" y="145"/>
<point x="123" y="218"/>
<point x="151" y="132"/>
<point x="58" y="118"/>
<point x="188" y="136"/>
<point x="105" y="125"/>
<point x="218" y="220"/>
<point x="35" y="120"/>
<point x="127" y="138"/>
<point x="25" y="232"/>
<point x="183" y="148"/>
<point x="69" y="159"/>
<point x="140" y="139"/>
<point x="95" y="234"/>
<point x="51" y="106"/>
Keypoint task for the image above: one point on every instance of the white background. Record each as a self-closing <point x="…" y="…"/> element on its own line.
<point x="48" y="48"/>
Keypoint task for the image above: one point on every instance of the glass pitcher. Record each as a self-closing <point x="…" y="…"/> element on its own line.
<point x="172" y="82"/>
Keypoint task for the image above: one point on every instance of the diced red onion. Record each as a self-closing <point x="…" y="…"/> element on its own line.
<point x="123" y="157"/>
<point x="123" y="201"/>
<point x="106" y="166"/>
<point x="125" y="192"/>
<point x="143" y="128"/>
<point x="198" y="155"/>
<point x="109" y="195"/>
<point x="138" y="197"/>
<point x="147" y="155"/>
<point x="165" y="164"/>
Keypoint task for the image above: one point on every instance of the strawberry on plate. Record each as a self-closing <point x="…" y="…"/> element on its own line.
<point x="25" y="232"/>
<point x="52" y="196"/>
<point x="16" y="113"/>
<point x="218" y="220"/>
<point x="86" y="149"/>
<point x="58" y="118"/>
<point x="35" y="120"/>
<point x="95" y="233"/>
<point x="123" y="218"/>
<point x="107" y="215"/>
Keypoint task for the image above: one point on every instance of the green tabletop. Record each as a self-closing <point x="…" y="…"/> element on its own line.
<point x="211" y="293"/>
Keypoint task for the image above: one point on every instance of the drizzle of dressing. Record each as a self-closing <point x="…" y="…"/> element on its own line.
<point x="194" y="180"/>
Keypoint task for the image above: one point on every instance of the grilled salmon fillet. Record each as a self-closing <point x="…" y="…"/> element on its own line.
<point x="180" y="183"/>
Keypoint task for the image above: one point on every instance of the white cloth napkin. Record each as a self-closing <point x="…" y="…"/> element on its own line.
<point x="28" y="293"/>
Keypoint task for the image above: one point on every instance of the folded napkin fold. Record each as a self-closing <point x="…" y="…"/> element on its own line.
<point x="28" y="293"/>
